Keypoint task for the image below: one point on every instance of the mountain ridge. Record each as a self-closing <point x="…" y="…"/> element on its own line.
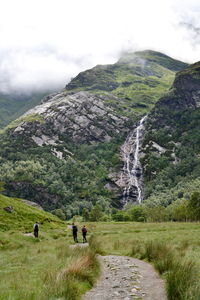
<point x="140" y="78"/>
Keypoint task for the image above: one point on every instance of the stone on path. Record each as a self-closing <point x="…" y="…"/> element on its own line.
<point x="126" y="278"/>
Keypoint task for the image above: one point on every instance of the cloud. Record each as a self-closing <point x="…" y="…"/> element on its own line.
<point x="45" y="43"/>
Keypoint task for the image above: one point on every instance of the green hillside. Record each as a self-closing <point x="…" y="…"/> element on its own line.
<point x="139" y="79"/>
<point x="41" y="268"/>
<point x="24" y="216"/>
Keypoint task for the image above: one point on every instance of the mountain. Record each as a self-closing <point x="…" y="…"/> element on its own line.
<point x="171" y="144"/>
<point x="139" y="79"/>
<point x="14" y="105"/>
<point x="60" y="151"/>
<point x="65" y="153"/>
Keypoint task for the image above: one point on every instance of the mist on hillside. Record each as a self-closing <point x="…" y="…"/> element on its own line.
<point x="43" y="55"/>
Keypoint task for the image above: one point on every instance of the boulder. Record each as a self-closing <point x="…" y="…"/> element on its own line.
<point x="8" y="209"/>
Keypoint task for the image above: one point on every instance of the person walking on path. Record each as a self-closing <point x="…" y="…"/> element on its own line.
<point x="74" y="232"/>
<point x="36" y="229"/>
<point x="84" y="233"/>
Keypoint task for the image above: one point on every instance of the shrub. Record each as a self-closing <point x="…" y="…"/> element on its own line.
<point x="119" y="216"/>
<point x="137" y="213"/>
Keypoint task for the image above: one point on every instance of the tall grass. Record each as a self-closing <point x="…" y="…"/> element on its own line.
<point x="49" y="269"/>
<point x="180" y="274"/>
<point x="96" y="245"/>
<point x="180" y="279"/>
<point x="78" y="274"/>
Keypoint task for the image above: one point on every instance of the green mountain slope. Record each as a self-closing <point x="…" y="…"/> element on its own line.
<point x="23" y="216"/>
<point x="139" y="79"/>
<point x="63" y="152"/>
<point x="172" y="141"/>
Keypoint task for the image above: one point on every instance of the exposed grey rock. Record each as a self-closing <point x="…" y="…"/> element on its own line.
<point x="159" y="148"/>
<point x="83" y="117"/>
<point x="31" y="203"/>
<point x="44" y="140"/>
<point x="8" y="209"/>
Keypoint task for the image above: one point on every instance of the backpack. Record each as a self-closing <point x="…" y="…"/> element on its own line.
<point x="74" y="228"/>
<point x="36" y="227"/>
<point x="84" y="230"/>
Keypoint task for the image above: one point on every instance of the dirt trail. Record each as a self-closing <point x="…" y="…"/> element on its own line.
<point x="126" y="278"/>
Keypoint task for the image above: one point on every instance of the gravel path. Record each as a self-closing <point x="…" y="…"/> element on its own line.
<point x="126" y="278"/>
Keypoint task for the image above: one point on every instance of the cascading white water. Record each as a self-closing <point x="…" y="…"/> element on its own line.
<point x="132" y="171"/>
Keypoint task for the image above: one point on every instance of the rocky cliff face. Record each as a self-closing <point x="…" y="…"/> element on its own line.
<point x="171" y="143"/>
<point x="64" y="127"/>
<point x="79" y="118"/>
<point x="184" y="93"/>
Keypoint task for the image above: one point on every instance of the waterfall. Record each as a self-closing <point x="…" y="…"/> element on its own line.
<point x="132" y="170"/>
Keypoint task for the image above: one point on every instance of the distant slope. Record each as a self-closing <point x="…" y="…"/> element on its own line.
<point x="13" y="106"/>
<point x="23" y="216"/>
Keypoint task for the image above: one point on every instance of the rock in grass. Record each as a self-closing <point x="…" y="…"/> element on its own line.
<point x="8" y="209"/>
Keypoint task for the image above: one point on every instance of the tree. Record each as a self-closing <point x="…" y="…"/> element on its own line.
<point x="85" y="214"/>
<point x="59" y="213"/>
<point x="178" y="210"/>
<point x="96" y="213"/>
<point x="137" y="213"/>
<point x="119" y="216"/>
<point x="1" y="186"/>
<point x="156" y="214"/>
<point x="194" y="205"/>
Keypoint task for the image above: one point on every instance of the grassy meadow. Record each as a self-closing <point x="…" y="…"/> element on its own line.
<point x="173" y="248"/>
<point x="43" y="268"/>
<point x="48" y="268"/>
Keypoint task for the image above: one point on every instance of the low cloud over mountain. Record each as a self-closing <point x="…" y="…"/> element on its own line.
<point x="45" y="43"/>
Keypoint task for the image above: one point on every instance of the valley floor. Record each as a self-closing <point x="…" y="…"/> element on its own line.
<point x="39" y="269"/>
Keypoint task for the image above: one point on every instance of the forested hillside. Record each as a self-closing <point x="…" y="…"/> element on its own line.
<point x="172" y="142"/>
<point x="63" y="153"/>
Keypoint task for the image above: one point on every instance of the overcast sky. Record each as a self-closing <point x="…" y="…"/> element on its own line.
<point x="43" y="43"/>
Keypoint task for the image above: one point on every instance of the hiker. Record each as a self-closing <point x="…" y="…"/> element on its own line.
<point x="74" y="232"/>
<point x="36" y="229"/>
<point x="84" y="233"/>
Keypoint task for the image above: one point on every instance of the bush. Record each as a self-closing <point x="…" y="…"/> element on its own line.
<point x="137" y="213"/>
<point x="118" y="217"/>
